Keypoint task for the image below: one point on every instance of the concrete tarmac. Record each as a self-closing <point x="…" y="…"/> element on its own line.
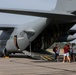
<point x="26" y="66"/>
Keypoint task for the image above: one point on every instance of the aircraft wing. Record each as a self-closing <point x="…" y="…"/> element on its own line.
<point x="57" y="15"/>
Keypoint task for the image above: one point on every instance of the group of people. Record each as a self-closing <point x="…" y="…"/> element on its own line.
<point x="68" y="55"/>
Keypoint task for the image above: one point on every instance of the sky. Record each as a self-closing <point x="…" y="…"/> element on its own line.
<point x="23" y="4"/>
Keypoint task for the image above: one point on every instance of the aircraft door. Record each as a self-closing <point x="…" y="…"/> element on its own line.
<point x="15" y="42"/>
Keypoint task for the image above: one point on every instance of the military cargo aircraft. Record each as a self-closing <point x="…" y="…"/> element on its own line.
<point x="44" y="31"/>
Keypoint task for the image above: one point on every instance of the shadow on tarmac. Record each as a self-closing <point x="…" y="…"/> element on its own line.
<point x="20" y="56"/>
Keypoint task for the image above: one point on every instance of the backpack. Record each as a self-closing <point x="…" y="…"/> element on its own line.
<point x="54" y="49"/>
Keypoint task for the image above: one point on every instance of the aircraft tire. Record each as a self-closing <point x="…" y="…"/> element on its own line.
<point x="6" y="52"/>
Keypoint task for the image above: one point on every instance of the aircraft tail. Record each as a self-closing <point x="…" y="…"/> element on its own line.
<point x="66" y="5"/>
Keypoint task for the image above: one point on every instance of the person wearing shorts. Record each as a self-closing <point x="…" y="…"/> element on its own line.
<point x="66" y="53"/>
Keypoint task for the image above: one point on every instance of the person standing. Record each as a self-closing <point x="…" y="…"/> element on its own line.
<point x="56" y="51"/>
<point x="66" y="53"/>
<point x="71" y="51"/>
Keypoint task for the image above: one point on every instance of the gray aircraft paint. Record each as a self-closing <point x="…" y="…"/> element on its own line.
<point x="66" y="5"/>
<point x="23" y="40"/>
<point x="38" y="26"/>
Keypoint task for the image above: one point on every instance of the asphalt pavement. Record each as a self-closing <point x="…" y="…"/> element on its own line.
<point x="28" y="66"/>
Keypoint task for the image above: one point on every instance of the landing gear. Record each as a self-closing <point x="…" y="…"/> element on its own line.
<point x="5" y="52"/>
<point x="1" y="55"/>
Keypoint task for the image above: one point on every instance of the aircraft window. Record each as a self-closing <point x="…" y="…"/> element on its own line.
<point x="11" y="37"/>
<point x="22" y="33"/>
